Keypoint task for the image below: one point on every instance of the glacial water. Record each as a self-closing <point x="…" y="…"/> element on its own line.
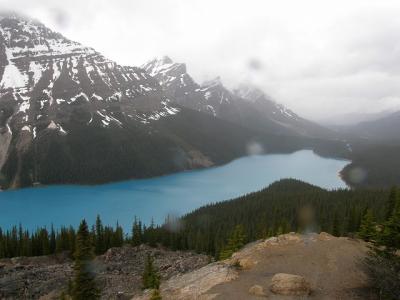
<point x="175" y="194"/>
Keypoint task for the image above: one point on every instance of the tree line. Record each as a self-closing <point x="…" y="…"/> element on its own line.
<point x="20" y="242"/>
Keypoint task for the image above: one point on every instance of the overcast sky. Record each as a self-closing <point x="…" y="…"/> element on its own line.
<point x="319" y="58"/>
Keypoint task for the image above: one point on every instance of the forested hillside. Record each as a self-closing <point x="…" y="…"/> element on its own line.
<point x="287" y="205"/>
<point x="373" y="165"/>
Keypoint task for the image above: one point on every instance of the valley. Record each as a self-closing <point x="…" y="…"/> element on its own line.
<point x="126" y="179"/>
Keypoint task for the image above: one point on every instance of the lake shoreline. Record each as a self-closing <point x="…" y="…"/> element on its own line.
<point x="156" y="198"/>
<point x="197" y="169"/>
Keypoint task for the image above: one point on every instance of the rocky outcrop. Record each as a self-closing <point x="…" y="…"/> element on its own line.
<point x="290" y="285"/>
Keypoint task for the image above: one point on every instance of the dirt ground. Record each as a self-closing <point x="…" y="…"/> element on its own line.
<point x="332" y="266"/>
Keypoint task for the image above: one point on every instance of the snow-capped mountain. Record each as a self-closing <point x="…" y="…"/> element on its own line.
<point x="44" y="76"/>
<point x="70" y="115"/>
<point x="178" y="84"/>
<point x="246" y="105"/>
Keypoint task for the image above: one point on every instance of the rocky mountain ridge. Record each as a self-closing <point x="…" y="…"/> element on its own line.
<point x="246" y="105"/>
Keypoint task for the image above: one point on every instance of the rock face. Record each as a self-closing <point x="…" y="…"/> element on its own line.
<point x="290" y="285"/>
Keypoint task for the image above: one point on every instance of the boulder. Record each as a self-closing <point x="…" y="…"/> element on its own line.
<point x="290" y="285"/>
<point x="257" y="290"/>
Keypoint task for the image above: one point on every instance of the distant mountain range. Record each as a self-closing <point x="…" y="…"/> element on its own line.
<point x="70" y="115"/>
<point x="350" y="119"/>
<point x="386" y="129"/>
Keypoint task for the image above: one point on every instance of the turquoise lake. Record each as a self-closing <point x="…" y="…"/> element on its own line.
<point x="175" y="194"/>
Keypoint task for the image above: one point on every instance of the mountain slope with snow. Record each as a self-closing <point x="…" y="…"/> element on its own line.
<point x="70" y="115"/>
<point x="246" y="105"/>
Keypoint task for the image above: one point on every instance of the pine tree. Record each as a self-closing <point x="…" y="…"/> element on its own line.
<point x="117" y="236"/>
<point x="335" y="225"/>
<point x="150" y="278"/>
<point x="351" y="226"/>
<point x="235" y="242"/>
<point x="44" y="238"/>
<point x="136" y="233"/>
<point x="99" y="237"/>
<point x="52" y="243"/>
<point x="84" y="287"/>
<point x="390" y="236"/>
<point x="391" y="203"/>
<point x="383" y="262"/>
<point x="368" y="226"/>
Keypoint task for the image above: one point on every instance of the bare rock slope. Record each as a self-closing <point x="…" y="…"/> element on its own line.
<point x="118" y="271"/>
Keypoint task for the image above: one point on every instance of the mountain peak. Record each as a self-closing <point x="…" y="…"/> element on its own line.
<point x="163" y="65"/>
<point x="166" y="59"/>
<point x="251" y="93"/>
<point x="26" y="37"/>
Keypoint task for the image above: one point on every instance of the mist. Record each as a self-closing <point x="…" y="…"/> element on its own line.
<point x="319" y="58"/>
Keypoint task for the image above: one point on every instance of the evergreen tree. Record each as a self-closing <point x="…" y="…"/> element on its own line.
<point x="44" y="239"/>
<point x="383" y="262"/>
<point x="390" y="236"/>
<point x="136" y="233"/>
<point x="368" y="226"/>
<point x="352" y="226"/>
<point x="150" y="278"/>
<point x="235" y="242"/>
<point x="117" y="236"/>
<point x="151" y="238"/>
<point x="99" y="237"/>
<point x="84" y="287"/>
<point x="391" y="203"/>
<point x="52" y="243"/>
<point x="335" y="225"/>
